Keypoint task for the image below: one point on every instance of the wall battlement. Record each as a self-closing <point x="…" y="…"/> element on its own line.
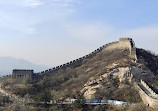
<point x="153" y="94"/>
<point x="148" y="96"/>
<point x="124" y="39"/>
<point x="123" y="43"/>
<point x="22" y="75"/>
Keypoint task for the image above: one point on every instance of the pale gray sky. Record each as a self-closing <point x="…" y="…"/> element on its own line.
<point x="52" y="32"/>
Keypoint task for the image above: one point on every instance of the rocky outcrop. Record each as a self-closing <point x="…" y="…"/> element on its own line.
<point x="123" y="74"/>
<point x="13" y="97"/>
<point x="90" y="88"/>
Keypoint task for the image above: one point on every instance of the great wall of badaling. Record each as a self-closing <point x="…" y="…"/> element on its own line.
<point x="149" y="97"/>
<point x="147" y="94"/>
<point x="123" y="43"/>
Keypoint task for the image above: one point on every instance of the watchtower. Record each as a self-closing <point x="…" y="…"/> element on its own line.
<point x="131" y="46"/>
<point x="22" y="76"/>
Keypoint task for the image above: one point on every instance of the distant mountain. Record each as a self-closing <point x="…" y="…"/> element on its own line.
<point x="7" y="64"/>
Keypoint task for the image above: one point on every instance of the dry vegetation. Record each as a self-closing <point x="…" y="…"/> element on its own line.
<point x="72" y="79"/>
<point x="67" y="82"/>
<point x="111" y="90"/>
<point x="148" y="59"/>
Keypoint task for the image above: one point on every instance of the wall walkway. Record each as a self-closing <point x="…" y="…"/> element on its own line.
<point x="123" y="43"/>
<point x="148" y="96"/>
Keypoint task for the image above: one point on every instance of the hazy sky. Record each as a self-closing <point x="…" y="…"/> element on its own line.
<point x="53" y="32"/>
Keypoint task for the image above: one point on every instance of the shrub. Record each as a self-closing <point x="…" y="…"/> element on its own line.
<point x="79" y="103"/>
<point x="43" y="97"/>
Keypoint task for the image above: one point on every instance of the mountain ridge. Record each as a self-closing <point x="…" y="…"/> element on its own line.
<point x="108" y="73"/>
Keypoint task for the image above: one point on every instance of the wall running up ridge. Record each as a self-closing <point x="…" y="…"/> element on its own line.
<point x="123" y="43"/>
<point x="148" y="96"/>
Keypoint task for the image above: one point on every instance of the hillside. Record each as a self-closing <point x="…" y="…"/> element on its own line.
<point x="148" y="59"/>
<point x="109" y="73"/>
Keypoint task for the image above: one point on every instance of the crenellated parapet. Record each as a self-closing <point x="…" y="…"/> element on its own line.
<point x="153" y="94"/>
<point x="148" y="96"/>
<point x="76" y="60"/>
<point x="131" y="46"/>
<point x="125" y="39"/>
<point x="22" y="75"/>
<point x="123" y="43"/>
<point x="22" y="72"/>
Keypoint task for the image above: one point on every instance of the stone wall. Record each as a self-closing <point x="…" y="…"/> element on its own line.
<point x="153" y="94"/>
<point x="147" y="99"/>
<point x="123" y="43"/>
<point x="22" y="76"/>
<point x="75" y="62"/>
